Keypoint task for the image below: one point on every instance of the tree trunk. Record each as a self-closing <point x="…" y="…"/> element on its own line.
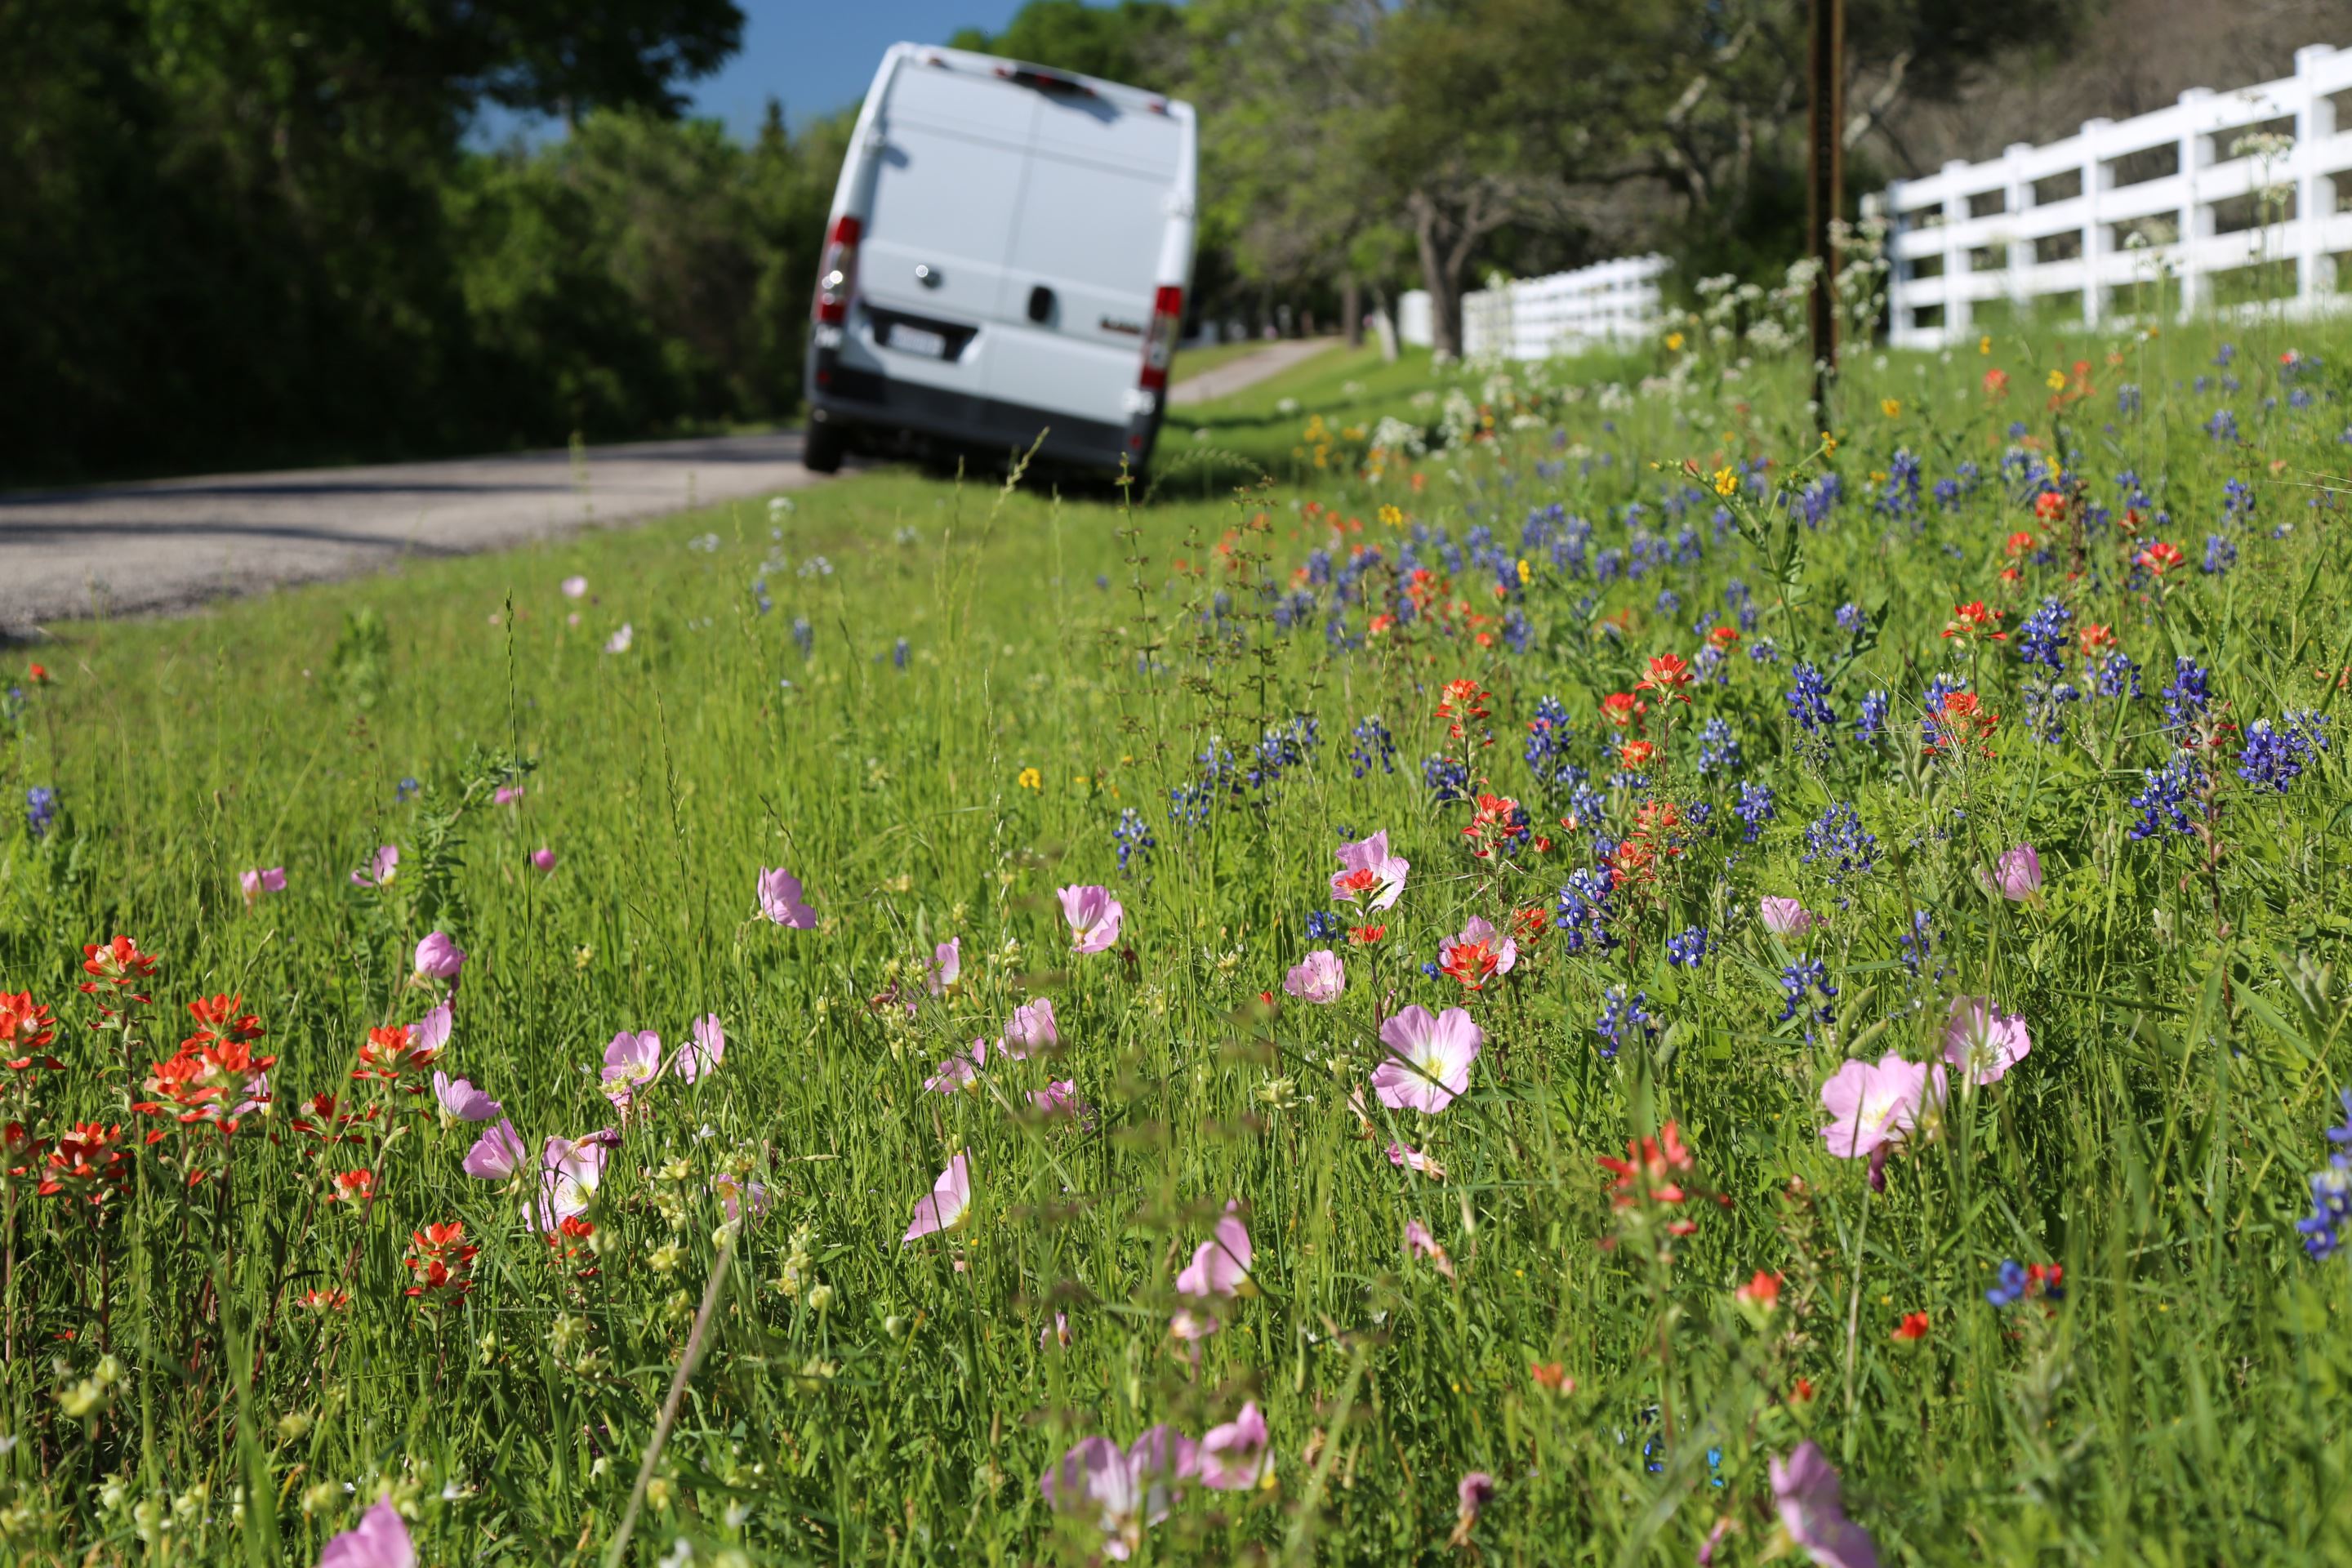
<point x="1351" y="309"/>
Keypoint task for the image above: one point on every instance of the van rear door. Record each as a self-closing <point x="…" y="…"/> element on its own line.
<point x="947" y="187"/>
<point x="1085" y="251"/>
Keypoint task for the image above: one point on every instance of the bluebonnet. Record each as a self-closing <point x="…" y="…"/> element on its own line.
<point x="1816" y="501"/>
<point x="1623" y="1015"/>
<point x="1754" y="809"/>
<point x="1517" y="630"/>
<point x="2274" y="753"/>
<point x="1931" y="702"/>
<point x="2331" y="1192"/>
<point x="2186" y="698"/>
<point x="1763" y="650"/>
<point x="1850" y="617"/>
<point x="1323" y="925"/>
<point x="1583" y="911"/>
<point x="1872" y="721"/>
<point x="1947" y="494"/>
<point x="2042" y="635"/>
<point x="2237" y="499"/>
<point x="2127" y="399"/>
<point x="2222" y="427"/>
<point x="2118" y="676"/>
<point x="1132" y="837"/>
<point x="1900" y="496"/>
<point x="2045" y="707"/>
<point x="1688" y="949"/>
<point x="1447" y="778"/>
<point x="2162" y="798"/>
<point x="1669" y="601"/>
<point x="804" y="634"/>
<point x="2009" y="1290"/>
<point x="40" y="810"/>
<point x="1838" y="843"/>
<point x="2220" y="554"/>
<point x="1797" y="979"/>
<point x="1808" y="699"/>
<point x="1741" y="603"/>
<point x="1374" y="747"/>
<point x="899" y="651"/>
<point x="403" y="790"/>
<point x="1282" y="748"/>
<point x="1718" y="748"/>
<point x="1918" y="945"/>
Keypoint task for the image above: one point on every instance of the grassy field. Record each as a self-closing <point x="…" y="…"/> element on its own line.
<point x="1713" y="752"/>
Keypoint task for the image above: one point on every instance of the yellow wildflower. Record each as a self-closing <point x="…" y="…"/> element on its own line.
<point x="1891" y="407"/>
<point x="1726" y="481"/>
<point x="1032" y="779"/>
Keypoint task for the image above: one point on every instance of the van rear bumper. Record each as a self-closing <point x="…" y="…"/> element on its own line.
<point x="859" y="401"/>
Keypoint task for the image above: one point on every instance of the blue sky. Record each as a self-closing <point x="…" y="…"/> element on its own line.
<point x="819" y="55"/>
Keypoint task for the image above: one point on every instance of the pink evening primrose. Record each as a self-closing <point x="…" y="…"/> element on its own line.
<point x="543" y="859"/>
<point x="780" y="899"/>
<point x="1981" y="1044"/>
<point x="1470" y="1494"/>
<point x="437" y="958"/>
<point x="1030" y="1029"/>
<point x="1239" y="1454"/>
<point x="1787" y="917"/>
<point x="947" y="1205"/>
<point x="1094" y="916"/>
<point x="1429" y="1058"/>
<point x="1060" y="1097"/>
<point x="2016" y="876"/>
<point x="1320" y="978"/>
<point x="1121" y="1492"/>
<point x="257" y="881"/>
<point x="570" y="1172"/>
<point x="506" y="794"/>
<point x="460" y="1100"/>
<point x="944" y="967"/>
<point x="1419" y="1243"/>
<point x="632" y="1062"/>
<point x="1877" y="1106"/>
<point x="1221" y="1266"/>
<point x="959" y="1072"/>
<point x="704" y="1048"/>
<point x="1805" y="1492"/>
<point x="575" y="587"/>
<point x="381" y="866"/>
<point x="496" y="1155"/>
<point x="1368" y="871"/>
<point x="619" y="641"/>
<point x="379" y="1541"/>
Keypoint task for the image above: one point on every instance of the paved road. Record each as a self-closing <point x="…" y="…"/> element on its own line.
<point x="1247" y="370"/>
<point x="166" y="545"/>
<point x="170" y="544"/>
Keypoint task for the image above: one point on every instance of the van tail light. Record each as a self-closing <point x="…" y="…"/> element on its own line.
<point x="837" y="274"/>
<point x="1160" y="343"/>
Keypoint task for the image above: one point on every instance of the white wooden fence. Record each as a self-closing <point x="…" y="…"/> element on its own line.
<point x="2159" y="207"/>
<point x="1536" y="318"/>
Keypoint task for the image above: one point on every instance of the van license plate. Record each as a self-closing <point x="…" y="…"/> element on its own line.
<point x="915" y="340"/>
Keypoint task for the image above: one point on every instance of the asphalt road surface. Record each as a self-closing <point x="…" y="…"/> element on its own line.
<point x="166" y="545"/>
<point x="161" y="546"/>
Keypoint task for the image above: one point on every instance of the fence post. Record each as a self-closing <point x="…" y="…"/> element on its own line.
<point x="2196" y="216"/>
<point x="2314" y="192"/>
<point x="1958" y="311"/>
<point x="2095" y="246"/>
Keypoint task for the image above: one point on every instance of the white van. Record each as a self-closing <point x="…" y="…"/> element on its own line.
<point x="1007" y="255"/>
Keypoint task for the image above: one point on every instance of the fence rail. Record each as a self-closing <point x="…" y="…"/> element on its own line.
<point x="1536" y="318"/>
<point x="2180" y="206"/>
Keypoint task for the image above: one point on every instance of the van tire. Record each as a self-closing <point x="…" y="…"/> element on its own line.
<point x="822" y="448"/>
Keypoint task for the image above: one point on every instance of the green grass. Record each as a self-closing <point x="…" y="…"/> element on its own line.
<point x="1064" y="664"/>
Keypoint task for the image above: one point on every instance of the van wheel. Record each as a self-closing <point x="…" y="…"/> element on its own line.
<point x="824" y="447"/>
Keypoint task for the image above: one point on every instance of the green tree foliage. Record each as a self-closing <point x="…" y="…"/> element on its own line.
<point x="1136" y="41"/>
<point x="251" y="230"/>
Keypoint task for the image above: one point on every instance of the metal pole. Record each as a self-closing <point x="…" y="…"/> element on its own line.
<point x="1825" y="185"/>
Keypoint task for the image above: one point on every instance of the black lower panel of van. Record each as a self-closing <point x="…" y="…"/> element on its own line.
<point x="878" y="407"/>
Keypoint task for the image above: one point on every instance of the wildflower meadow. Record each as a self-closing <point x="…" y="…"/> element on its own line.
<point x="1559" y="964"/>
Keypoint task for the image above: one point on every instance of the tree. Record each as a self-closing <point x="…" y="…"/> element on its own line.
<point x="1136" y="41"/>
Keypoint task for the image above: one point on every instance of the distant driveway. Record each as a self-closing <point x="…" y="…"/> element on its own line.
<point x="169" y="544"/>
<point x="1235" y="374"/>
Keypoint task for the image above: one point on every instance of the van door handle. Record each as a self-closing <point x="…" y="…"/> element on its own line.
<point x="1041" y="302"/>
